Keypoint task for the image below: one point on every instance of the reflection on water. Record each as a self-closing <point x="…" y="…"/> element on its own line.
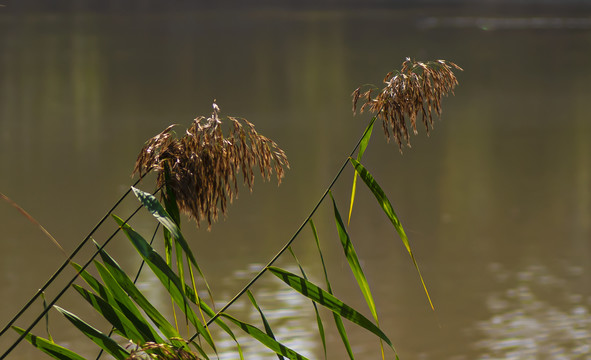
<point x="529" y="324"/>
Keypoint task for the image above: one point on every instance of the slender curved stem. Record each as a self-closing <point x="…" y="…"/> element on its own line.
<point x="288" y="244"/>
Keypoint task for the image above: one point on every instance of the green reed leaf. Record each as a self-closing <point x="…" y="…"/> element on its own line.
<point x="156" y="209"/>
<point x="49" y="347"/>
<point x="123" y="303"/>
<point x="318" y="318"/>
<point x="171" y="207"/>
<point x="99" y="338"/>
<point x="46" y="317"/>
<point x="129" y="287"/>
<point x="389" y="211"/>
<point x="362" y="146"/>
<point x="265" y="339"/>
<point x="166" y="276"/>
<point x="117" y="298"/>
<point x="337" y="318"/>
<point x="329" y="301"/>
<point x="268" y="328"/>
<point x="112" y="315"/>
<point x="170" y="203"/>
<point x="353" y="261"/>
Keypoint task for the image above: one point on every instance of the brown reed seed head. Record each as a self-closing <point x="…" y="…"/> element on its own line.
<point x="152" y="350"/>
<point x="417" y="88"/>
<point x="205" y="164"/>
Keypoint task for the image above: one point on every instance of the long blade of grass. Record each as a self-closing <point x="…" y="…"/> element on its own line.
<point x="99" y="338"/>
<point x="166" y="276"/>
<point x="121" y="324"/>
<point x="123" y="303"/>
<point x="389" y="211"/>
<point x="362" y="147"/>
<point x="353" y="261"/>
<point x="337" y="318"/>
<point x="268" y="328"/>
<point x="172" y="209"/>
<point x="46" y="318"/>
<point x="129" y="287"/>
<point x="116" y="297"/>
<point x="265" y="339"/>
<point x="318" y="318"/>
<point x="155" y="208"/>
<point x="329" y="301"/>
<point x="49" y="347"/>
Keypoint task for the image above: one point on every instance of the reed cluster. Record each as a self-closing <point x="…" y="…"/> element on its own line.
<point x="198" y="173"/>
<point x="204" y="164"/>
<point x="416" y="88"/>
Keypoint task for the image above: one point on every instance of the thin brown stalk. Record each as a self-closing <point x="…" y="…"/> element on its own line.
<point x="34" y="221"/>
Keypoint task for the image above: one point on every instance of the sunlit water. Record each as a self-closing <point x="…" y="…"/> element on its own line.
<point x="496" y="202"/>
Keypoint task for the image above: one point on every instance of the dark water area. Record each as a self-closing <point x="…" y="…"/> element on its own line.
<point x="496" y="201"/>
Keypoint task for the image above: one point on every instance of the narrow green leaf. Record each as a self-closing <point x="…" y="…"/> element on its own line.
<point x="102" y="340"/>
<point x="268" y="329"/>
<point x="171" y="207"/>
<point x="49" y="347"/>
<point x="389" y="211"/>
<point x="156" y="209"/>
<point x="337" y="318"/>
<point x="96" y="285"/>
<point x="362" y="146"/>
<point x="353" y="261"/>
<point x="265" y="339"/>
<point x="318" y="318"/>
<point x="166" y="276"/>
<point x="329" y="301"/>
<point x="129" y="287"/>
<point x="112" y="315"/>
<point x="46" y="317"/>
<point x="117" y="298"/>
<point x="123" y="303"/>
<point x="170" y="203"/>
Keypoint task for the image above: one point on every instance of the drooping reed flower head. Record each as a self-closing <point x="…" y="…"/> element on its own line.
<point x="204" y="164"/>
<point x="416" y="88"/>
<point x="151" y="350"/>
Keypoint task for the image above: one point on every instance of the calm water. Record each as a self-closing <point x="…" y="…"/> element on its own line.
<point x="496" y="202"/>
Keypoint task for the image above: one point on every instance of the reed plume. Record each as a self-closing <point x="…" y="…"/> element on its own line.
<point x="151" y="350"/>
<point x="416" y="88"/>
<point x="204" y="164"/>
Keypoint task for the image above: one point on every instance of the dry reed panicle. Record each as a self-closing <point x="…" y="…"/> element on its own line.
<point x="152" y="350"/>
<point x="417" y="88"/>
<point x="204" y="164"/>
